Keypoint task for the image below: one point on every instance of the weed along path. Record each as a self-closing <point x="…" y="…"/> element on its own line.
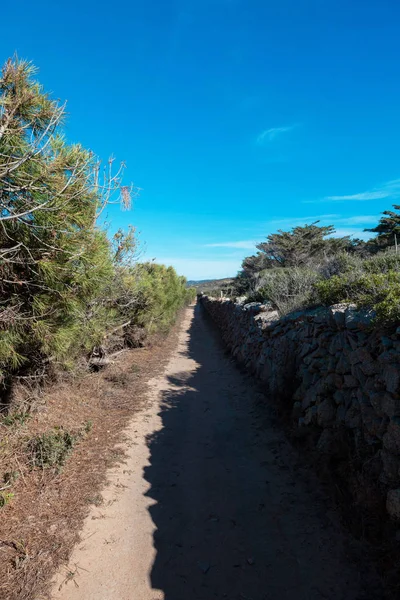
<point x="211" y="502"/>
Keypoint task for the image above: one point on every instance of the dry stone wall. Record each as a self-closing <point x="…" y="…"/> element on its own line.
<point x="332" y="370"/>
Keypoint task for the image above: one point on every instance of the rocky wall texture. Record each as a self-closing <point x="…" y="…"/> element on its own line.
<point x="332" y="370"/>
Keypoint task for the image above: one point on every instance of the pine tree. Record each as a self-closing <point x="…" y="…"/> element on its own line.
<point x="54" y="260"/>
<point x="300" y="245"/>
<point x="388" y="230"/>
<point x="63" y="283"/>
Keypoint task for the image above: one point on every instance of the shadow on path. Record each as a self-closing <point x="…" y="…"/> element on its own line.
<point x="236" y="517"/>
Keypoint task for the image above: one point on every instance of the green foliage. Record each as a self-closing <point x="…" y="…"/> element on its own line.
<point x="5" y="498"/>
<point x="339" y="263"/>
<point x="297" y="247"/>
<point x="15" y="418"/>
<point x="287" y="289"/>
<point x="151" y="294"/>
<point x="379" y="292"/>
<point x="53" y="259"/>
<point x="51" y="449"/>
<point x="305" y="266"/>
<point x="387" y="230"/>
<point x="309" y="247"/>
<point x="382" y="263"/>
<point x="63" y="283"/>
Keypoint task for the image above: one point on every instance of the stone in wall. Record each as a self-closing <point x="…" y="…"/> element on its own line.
<point x="332" y="369"/>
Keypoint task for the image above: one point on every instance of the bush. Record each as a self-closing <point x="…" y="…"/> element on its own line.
<point x="51" y="449"/>
<point x="343" y="262"/>
<point x="150" y="295"/>
<point x="287" y="289"/>
<point x="379" y="292"/>
<point x="63" y="283"/>
<point x="382" y="263"/>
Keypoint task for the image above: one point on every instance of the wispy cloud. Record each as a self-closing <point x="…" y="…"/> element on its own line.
<point x="241" y="244"/>
<point x="357" y="220"/>
<point x="269" y="135"/>
<point x="360" y="197"/>
<point x="390" y="189"/>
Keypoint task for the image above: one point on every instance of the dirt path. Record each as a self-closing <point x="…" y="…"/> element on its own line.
<point x="211" y="502"/>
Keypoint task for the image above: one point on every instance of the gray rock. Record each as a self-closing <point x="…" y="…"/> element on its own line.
<point x="326" y="412"/>
<point x="310" y="416"/>
<point x="297" y="411"/>
<point x="393" y="503"/>
<point x="364" y="360"/>
<point x="353" y="417"/>
<point x="358" y="319"/>
<point x="349" y="381"/>
<point x="341" y="415"/>
<point x="376" y="401"/>
<point x="337" y="343"/>
<point x="391" y="377"/>
<point x="386" y="342"/>
<point x="390" y="465"/>
<point x="254" y="307"/>
<point x="326" y="441"/>
<point x="339" y="397"/>
<point x="342" y="366"/>
<point x="374" y="425"/>
<point x="337" y="312"/>
<point x="390" y="357"/>
<point x="391" y="439"/>
<point x="390" y="404"/>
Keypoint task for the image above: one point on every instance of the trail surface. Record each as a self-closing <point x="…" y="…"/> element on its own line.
<point x="211" y="502"/>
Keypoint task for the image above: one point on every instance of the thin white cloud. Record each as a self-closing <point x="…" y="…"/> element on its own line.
<point x="241" y="244"/>
<point x="360" y="197"/>
<point x="269" y="135"/>
<point x="358" y="220"/>
<point x="390" y="189"/>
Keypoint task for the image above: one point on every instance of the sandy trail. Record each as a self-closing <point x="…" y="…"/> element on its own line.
<point x="211" y="502"/>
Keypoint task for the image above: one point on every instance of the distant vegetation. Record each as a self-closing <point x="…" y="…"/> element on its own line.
<point x="64" y="284"/>
<point x="306" y="267"/>
<point x="214" y="287"/>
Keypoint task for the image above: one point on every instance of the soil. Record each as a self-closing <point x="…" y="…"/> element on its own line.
<point x="211" y="501"/>
<point x="41" y="524"/>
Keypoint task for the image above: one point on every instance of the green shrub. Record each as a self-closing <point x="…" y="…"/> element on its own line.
<point x="150" y="295"/>
<point x="288" y="289"/>
<point x="343" y="262"/>
<point x="382" y="263"/>
<point x="333" y="290"/>
<point x="14" y="418"/>
<point x="51" y="449"/>
<point x="379" y="292"/>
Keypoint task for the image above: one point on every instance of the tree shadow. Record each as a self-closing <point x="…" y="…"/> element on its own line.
<point x="227" y="523"/>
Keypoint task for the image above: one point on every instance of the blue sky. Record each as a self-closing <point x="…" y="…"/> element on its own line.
<point x="235" y="117"/>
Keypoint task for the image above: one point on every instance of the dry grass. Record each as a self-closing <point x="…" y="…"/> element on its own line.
<point x="40" y="524"/>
